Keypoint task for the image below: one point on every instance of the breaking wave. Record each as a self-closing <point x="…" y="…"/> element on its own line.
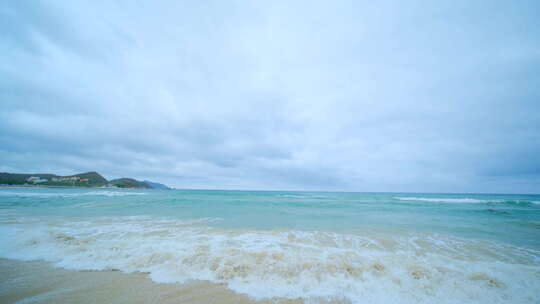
<point x="468" y="200"/>
<point x="359" y="268"/>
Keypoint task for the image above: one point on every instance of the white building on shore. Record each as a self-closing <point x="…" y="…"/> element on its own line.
<point x="36" y="179"/>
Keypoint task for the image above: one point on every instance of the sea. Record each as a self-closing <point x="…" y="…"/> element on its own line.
<point x="313" y="246"/>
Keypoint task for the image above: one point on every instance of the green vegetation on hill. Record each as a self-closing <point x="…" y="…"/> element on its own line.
<point x="87" y="179"/>
<point x="128" y="183"/>
<point x="94" y="178"/>
<point x="19" y="179"/>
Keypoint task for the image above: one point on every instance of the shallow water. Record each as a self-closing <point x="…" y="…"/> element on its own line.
<point x="356" y="247"/>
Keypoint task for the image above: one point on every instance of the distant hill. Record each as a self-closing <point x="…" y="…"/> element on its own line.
<point x="19" y="179"/>
<point x="125" y="182"/>
<point x="94" y="178"/>
<point x="154" y="185"/>
<point x="86" y="179"/>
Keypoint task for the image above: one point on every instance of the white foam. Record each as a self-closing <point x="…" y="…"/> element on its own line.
<point x="466" y="200"/>
<point x="409" y="268"/>
<point x="443" y="200"/>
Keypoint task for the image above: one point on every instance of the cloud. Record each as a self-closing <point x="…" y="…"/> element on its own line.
<point x="348" y="95"/>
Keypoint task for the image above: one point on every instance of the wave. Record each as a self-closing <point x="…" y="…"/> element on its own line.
<point x="292" y="196"/>
<point x="442" y="200"/>
<point x="408" y="268"/>
<point x="306" y="196"/>
<point x="64" y="194"/>
<point x="469" y="200"/>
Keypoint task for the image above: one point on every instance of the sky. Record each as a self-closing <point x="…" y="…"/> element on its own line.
<point x="394" y="96"/>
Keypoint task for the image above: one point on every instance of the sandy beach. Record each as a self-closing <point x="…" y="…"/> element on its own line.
<point x="39" y="282"/>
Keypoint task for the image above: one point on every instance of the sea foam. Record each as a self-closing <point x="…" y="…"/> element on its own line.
<point x="442" y="200"/>
<point x="468" y="200"/>
<point x="360" y="268"/>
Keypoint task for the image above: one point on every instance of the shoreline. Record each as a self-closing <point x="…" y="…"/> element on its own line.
<point x="122" y="247"/>
<point x="39" y="281"/>
<point x="60" y="187"/>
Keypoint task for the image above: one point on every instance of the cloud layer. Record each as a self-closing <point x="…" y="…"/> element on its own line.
<point x="330" y="95"/>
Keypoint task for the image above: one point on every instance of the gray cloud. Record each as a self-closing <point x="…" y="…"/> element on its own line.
<point x="345" y="95"/>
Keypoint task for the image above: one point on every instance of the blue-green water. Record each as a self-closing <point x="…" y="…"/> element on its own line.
<point x="359" y="247"/>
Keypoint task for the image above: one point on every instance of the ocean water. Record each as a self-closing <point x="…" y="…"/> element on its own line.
<point x="350" y="247"/>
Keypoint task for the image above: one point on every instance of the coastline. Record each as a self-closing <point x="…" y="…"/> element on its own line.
<point x="108" y="246"/>
<point x="41" y="282"/>
<point x="59" y="187"/>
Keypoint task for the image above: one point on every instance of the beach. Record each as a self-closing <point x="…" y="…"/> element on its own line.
<point x="194" y="246"/>
<point x="39" y="282"/>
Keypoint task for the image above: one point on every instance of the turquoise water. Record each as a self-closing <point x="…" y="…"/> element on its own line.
<point x="358" y="247"/>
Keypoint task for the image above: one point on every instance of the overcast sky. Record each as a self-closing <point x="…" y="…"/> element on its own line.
<point x="429" y="96"/>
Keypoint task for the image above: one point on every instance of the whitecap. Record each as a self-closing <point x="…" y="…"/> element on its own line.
<point x="444" y="200"/>
<point x="360" y="268"/>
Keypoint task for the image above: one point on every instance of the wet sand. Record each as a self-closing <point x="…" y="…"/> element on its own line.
<point x="39" y="282"/>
